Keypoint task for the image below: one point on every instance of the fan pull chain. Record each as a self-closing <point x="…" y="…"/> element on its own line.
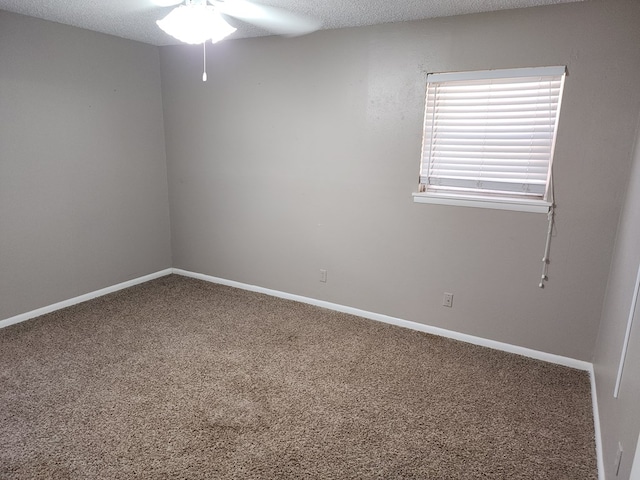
<point x="204" y="61"/>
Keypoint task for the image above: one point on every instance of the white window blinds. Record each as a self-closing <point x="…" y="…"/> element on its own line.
<point x="491" y="132"/>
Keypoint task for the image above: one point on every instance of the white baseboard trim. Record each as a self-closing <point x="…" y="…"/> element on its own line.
<point x="596" y="423"/>
<point x="506" y="347"/>
<point x="484" y="342"/>
<point x="82" y="298"/>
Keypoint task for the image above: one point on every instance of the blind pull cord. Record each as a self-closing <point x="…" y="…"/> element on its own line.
<point x="550" y="218"/>
<point x="545" y="259"/>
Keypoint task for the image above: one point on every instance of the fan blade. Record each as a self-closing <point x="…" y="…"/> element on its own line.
<point x="274" y="19"/>
<point x="166" y="3"/>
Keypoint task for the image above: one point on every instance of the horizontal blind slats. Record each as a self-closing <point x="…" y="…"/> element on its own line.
<point x="517" y="102"/>
<point x="513" y="135"/>
<point x="495" y="109"/>
<point x="476" y="157"/>
<point x="491" y="134"/>
<point x="488" y="183"/>
<point x="507" y="155"/>
<point x="513" y="73"/>
<point x="487" y="123"/>
<point x="496" y="89"/>
<point x="469" y="171"/>
<point x="446" y="96"/>
<point x="452" y="180"/>
<point x="472" y="173"/>
<point x="491" y="129"/>
<point x="515" y="115"/>
<point x="518" y="144"/>
<point x="505" y="84"/>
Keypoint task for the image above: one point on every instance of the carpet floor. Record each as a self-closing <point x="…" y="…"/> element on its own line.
<point x="182" y="379"/>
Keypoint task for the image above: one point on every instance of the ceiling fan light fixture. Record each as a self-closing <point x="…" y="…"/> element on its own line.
<point x="195" y="24"/>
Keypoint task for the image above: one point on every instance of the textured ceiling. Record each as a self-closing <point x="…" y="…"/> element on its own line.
<point x="135" y="19"/>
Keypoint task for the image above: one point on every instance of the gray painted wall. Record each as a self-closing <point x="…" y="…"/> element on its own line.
<point x="301" y="154"/>
<point x="620" y="418"/>
<point x="83" y="188"/>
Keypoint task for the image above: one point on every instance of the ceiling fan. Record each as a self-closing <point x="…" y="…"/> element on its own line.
<point x="196" y="21"/>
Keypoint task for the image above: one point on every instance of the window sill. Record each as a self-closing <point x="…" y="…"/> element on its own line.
<point x="518" y="205"/>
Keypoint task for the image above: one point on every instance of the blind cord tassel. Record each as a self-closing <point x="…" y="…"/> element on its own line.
<point x="545" y="259"/>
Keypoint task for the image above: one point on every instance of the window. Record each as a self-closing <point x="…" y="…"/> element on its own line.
<point x="489" y="137"/>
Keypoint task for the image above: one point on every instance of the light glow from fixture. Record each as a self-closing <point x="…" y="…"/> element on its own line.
<point x="195" y="24"/>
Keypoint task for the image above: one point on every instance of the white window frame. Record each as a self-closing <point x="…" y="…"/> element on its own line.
<point x="530" y="191"/>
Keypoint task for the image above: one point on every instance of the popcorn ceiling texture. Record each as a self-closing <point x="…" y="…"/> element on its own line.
<point x="135" y="19"/>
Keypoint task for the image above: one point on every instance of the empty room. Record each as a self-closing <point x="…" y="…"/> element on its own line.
<point x="272" y="239"/>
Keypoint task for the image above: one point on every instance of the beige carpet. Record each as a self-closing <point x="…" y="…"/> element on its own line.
<point x="182" y="379"/>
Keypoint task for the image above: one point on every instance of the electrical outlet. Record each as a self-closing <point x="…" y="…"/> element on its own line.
<point x="618" y="461"/>
<point x="323" y="275"/>
<point x="447" y="301"/>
